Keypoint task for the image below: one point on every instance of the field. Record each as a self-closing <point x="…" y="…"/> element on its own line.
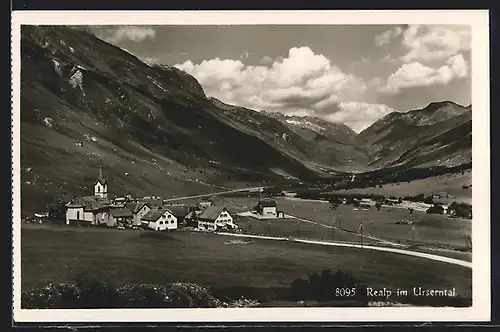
<point x="296" y="229"/>
<point x="59" y="253"/>
<point x="451" y="184"/>
<point x="429" y="229"/>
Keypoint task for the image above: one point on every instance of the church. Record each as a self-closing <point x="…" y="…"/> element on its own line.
<point x="90" y="209"/>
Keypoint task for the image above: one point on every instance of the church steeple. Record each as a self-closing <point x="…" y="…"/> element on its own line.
<point x="101" y="185"/>
<point x="100" y="170"/>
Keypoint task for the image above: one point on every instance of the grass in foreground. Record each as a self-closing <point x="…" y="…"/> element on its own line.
<point x="59" y="253"/>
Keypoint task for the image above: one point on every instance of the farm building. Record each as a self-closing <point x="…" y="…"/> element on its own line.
<point x="139" y="210"/>
<point x="267" y="208"/>
<point x="120" y="215"/>
<point x="159" y="220"/>
<point x="91" y="209"/>
<point x="215" y="217"/>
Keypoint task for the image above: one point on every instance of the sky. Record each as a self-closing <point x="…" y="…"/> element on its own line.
<point x="350" y="74"/>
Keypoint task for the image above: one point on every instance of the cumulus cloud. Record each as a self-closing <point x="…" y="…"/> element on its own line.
<point x="301" y="82"/>
<point x="358" y="115"/>
<point x="415" y="74"/>
<point x="385" y="37"/>
<point x="436" y="42"/>
<point x="117" y="34"/>
<point x="429" y="42"/>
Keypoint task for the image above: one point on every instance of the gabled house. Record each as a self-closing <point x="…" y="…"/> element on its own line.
<point x="119" y="215"/>
<point x="180" y="212"/>
<point x="267" y="208"/>
<point x="214" y="218"/>
<point x="139" y="210"/>
<point x="159" y="220"/>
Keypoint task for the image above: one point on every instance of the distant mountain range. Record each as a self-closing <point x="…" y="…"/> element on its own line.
<point x="83" y="99"/>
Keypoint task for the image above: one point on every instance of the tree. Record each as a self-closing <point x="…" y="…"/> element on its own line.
<point x="411" y="210"/>
<point x="378" y="205"/>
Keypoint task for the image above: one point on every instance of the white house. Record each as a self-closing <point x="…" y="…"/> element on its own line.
<point x="139" y="210"/>
<point x="159" y="220"/>
<point x="214" y="218"/>
<point x="267" y="208"/>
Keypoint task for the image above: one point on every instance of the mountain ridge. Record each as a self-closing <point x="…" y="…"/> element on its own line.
<point x="83" y="99"/>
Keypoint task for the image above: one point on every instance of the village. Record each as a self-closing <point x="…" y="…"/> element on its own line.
<point x="150" y="212"/>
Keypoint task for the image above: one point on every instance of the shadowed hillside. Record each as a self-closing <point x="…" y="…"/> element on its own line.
<point x="83" y="99"/>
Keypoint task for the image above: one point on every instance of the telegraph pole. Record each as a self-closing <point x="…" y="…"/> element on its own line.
<point x="298" y="228"/>
<point x="333" y="229"/>
<point x="413" y="234"/>
<point x="361" y="233"/>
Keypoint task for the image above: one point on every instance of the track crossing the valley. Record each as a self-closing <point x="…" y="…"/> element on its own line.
<point x="359" y="246"/>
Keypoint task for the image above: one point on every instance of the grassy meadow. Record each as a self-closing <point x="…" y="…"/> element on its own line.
<point x="452" y="184"/>
<point x="59" y="253"/>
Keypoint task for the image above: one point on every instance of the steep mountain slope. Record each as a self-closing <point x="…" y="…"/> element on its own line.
<point x="327" y="145"/>
<point x="439" y="134"/>
<point x="157" y="132"/>
<point x="83" y="99"/>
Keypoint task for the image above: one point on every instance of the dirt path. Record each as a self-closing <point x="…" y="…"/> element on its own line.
<point x="367" y="247"/>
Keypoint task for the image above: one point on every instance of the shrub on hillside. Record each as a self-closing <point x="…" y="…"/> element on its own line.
<point x="52" y="296"/>
<point x="92" y="293"/>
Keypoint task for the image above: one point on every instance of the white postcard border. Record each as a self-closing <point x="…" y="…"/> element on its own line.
<point x="478" y="19"/>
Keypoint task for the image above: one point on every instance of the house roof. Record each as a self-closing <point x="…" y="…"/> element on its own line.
<point x="155" y="214"/>
<point x="178" y="211"/>
<point x="101" y="181"/>
<point x="135" y="207"/>
<point x="89" y="203"/>
<point x="152" y="202"/>
<point x="94" y="206"/>
<point x="267" y="203"/>
<point x="212" y="212"/>
<point x="121" y="212"/>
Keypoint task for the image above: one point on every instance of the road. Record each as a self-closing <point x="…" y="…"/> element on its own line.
<point x="214" y="194"/>
<point x="354" y="245"/>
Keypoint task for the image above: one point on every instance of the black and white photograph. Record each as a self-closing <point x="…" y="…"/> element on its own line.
<point x="182" y="166"/>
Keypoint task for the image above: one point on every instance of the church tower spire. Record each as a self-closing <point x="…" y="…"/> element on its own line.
<point x="101" y="185"/>
<point x="100" y="170"/>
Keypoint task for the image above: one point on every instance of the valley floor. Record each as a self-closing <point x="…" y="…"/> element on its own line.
<point x="56" y="254"/>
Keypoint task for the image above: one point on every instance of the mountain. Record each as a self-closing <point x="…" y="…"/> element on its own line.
<point x="83" y="100"/>
<point x="439" y="134"/>
<point x="334" y="144"/>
